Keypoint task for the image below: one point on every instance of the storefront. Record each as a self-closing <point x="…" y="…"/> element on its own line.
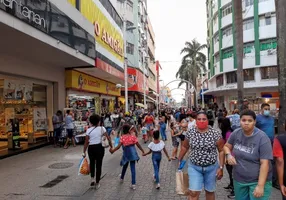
<point x="25" y="107"/>
<point x="88" y="94"/>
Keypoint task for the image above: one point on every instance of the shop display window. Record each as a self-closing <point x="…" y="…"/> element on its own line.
<point x="25" y="103"/>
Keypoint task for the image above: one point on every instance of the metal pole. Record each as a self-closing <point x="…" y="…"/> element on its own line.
<point x="144" y="66"/>
<point x="202" y="88"/>
<point x="125" y="59"/>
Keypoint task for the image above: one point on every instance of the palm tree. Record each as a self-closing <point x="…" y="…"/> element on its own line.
<point x="193" y="63"/>
<point x="238" y="24"/>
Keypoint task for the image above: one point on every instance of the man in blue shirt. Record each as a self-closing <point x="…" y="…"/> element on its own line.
<point x="265" y="122"/>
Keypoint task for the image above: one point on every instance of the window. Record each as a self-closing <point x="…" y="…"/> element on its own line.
<point x="216" y="38"/>
<point x="130" y="48"/>
<point x="267" y="21"/>
<point x="227" y="54"/>
<point x="113" y="13"/>
<point x="216" y="58"/>
<point x="219" y="80"/>
<point x="215" y="19"/>
<point x="227" y="10"/>
<point x="248" y="3"/>
<point x="248" y="24"/>
<point x="248" y="74"/>
<point x="128" y="25"/>
<point x="231" y="77"/>
<point x="269" y="72"/>
<point x="227" y="32"/>
<point x="266" y="45"/>
<point x="248" y="48"/>
<point x="130" y="5"/>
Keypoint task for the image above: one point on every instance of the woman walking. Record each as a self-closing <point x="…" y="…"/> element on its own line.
<point x="107" y="122"/>
<point x="251" y="159"/>
<point x="226" y="132"/>
<point x="204" y="168"/>
<point x="149" y="123"/>
<point x="175" y="141"/>
<point x="93" y="141"/>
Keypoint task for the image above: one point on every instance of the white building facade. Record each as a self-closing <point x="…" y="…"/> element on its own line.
<point x="260" y="53"/>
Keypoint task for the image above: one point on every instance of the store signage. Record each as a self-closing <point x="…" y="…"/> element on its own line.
<point x="24" y="11"/>
<point x="108" y="39"/>
<point x="83" y="82"/>
<point x="48" y="18"/>
<point x="107" y="33"/>
<point x="137" y="78"/>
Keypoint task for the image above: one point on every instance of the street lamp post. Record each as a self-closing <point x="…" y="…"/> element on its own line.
<point x="125" y="58"/>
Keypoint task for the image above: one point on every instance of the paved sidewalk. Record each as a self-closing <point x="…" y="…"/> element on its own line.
<point x="23" y="175"/>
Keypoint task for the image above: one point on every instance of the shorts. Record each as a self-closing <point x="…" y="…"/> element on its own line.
<point x="244" y="191"/>
<point x="108" y="130"/>
<point x="149" y="127"/>
<point x="175" y="141"/>
<point x="202" y="177"/>
<point x="57" y="132"/>
<point x="70" y="133"/>
<point x="182" y="137"/>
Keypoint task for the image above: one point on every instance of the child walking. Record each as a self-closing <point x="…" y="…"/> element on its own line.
<point x="156" y="148"/>
<point x="128" y="142"/>
<point x="175" y="142"/>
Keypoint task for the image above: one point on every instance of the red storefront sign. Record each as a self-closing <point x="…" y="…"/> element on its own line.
<point x="108" y="68"/>
<point x="137" y="80"/>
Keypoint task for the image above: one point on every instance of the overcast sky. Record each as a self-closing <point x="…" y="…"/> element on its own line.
<point x="175" y="22"/>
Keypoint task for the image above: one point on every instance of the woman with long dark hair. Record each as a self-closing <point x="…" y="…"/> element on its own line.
<point x="226" y="132"/>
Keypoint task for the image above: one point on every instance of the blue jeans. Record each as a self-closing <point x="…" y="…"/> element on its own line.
<point x="163" y="134"/>
<point x="133" y="171"/>
<point x="202" y="177"/>
<point x="156" y="159"/>
<point x="108" y="130"/>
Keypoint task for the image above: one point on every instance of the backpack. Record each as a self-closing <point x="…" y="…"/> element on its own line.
<point x="210" y="115"/>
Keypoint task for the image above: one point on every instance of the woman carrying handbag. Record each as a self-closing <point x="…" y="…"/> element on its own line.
<point x="96" y="140"/>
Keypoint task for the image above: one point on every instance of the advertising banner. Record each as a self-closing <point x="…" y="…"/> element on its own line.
<point x="40" y="119"/>
<point x="83" y="82"/>
<point x="137" y="81"/>
<point x="19" y="90"/>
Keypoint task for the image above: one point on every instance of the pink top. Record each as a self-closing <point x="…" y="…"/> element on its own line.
<point x="128" y="139"/>
<point x="227" y="135"/>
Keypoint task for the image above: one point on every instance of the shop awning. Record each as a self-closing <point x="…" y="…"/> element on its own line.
<point x="150" y="99"/>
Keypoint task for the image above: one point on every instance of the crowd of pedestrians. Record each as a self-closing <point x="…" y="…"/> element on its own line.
<point x="243" y="142"/>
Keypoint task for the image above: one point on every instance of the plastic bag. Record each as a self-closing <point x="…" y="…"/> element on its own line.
<point x="83" y="167"/>
<point x="182" y="183"/>
<point x="116" y="141"/>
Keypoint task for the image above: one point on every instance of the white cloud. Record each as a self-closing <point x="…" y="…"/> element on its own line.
<point x="174" y="23"/>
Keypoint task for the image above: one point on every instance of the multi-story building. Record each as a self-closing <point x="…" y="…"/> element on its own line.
<point x="56" y="55"/>
<point x="260" y="59"/>
<point x="138" y="46"/>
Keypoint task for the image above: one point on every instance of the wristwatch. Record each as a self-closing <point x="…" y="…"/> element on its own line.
<point x="221" y="167"/>
<point x="227" y="155"/>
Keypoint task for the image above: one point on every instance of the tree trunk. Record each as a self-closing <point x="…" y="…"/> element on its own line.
<point x="281" y="60"/>
<point x="238" y="21"/>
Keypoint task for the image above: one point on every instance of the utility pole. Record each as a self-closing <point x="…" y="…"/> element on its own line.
<point x="281" y="60"/>
<point x="125" y="59"/>
<point x="238" y="24"/>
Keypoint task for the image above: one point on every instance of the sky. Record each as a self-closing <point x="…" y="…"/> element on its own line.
<point x="175" y="22"/>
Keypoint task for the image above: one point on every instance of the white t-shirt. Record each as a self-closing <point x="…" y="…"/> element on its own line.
<point x="95" y="134"/>
<point x="156" y="147"/>
<point x="191" y="124"/>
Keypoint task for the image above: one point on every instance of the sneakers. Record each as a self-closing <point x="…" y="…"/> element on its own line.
<point x="158" y="186"/>
<point x="232" y="195"/>
<point x="133" y="187"/>
<point x="97" y="186"/>
<point x="92" y="183"/>
<point x="121" y="180"/>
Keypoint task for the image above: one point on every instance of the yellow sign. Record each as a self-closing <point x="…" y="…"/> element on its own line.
<point x="83" y="82"/>
<point x="105" y="33"/>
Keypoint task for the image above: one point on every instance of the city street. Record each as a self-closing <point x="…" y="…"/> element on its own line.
<point x="29" y="176"/>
